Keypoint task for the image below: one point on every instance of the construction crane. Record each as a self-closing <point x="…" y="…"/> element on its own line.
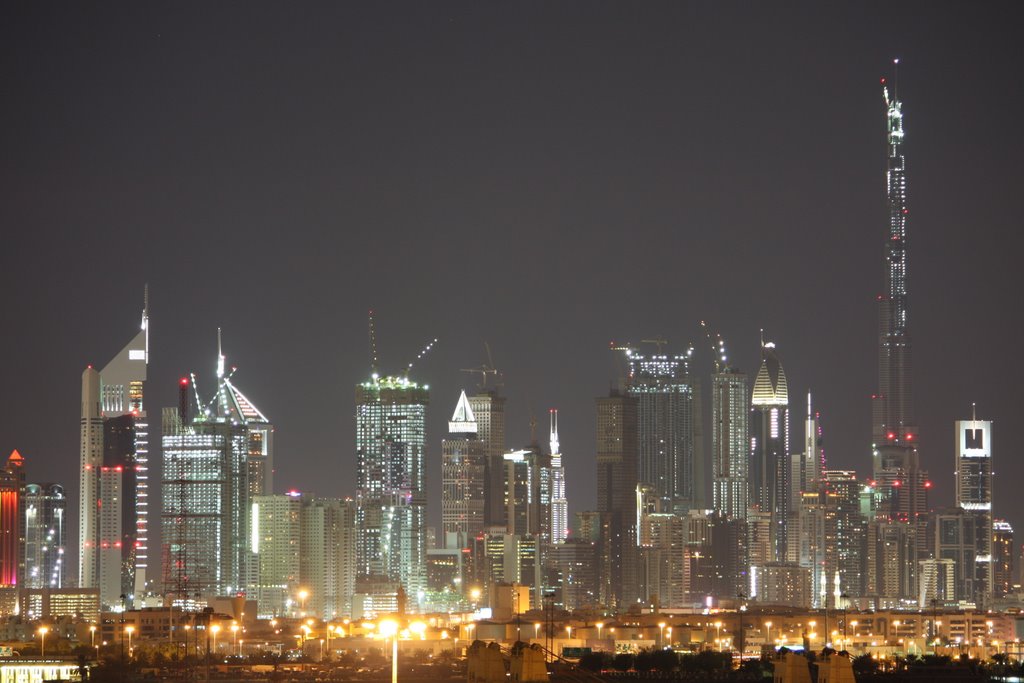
<point x="657" y="341"/>
<point x="424" y="351"/>
<point x="717" y="348"/>
<point x="484" y="370"/>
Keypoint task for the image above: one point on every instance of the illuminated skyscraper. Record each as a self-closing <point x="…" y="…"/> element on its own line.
<point x="390" y="453"/>
<point x="730" y="410"/>
<point x="974" y="497"/>
<point x="206" y="516"/>
<point x="114" y="502"/>
<point x="1002" y="558"/>
<point x="45" y="532"/>
<point x="12" y="480"/>
<point x="463" y="472"/>
<point x="901" y="481"/>
<point x="668" y="427"/>
<point x="770" y="463"/>
<point x="559" y="504"/>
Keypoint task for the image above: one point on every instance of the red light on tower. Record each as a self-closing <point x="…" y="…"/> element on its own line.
<point x="927" y="484"/>
<point x="908" y="437"/>
<point x="890" y="436"/>
<point x="183" y="381"/>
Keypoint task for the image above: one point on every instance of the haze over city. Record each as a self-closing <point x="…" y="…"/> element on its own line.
<point x="547" y="180"/>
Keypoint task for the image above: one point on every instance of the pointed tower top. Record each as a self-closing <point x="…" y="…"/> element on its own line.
<point x="974" y="413"/>
<point x="555" y="448"/>
<point x="220" y="357"/>
<point x="770" y="386"/>
<point x="463" y="420"/>
<point x="15" y="459"/>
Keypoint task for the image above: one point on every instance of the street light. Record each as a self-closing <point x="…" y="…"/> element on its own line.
<point x="718" y="636"/>
<point x="661" y="634"/>
<point x="92" y="636"/>
<point x="129" y="630"/>
<point x="536" y="630"/>
<point x="42" y="641"/>
<point x="768" y="636"/>
<point x="215" y="629"/>
<point x="303" y="594"/>
<point x="600" y="625"/>
<point x="670" y="643"/>
<point x="234" y="636"/>
<point x="389" y="629"/>
<point x="568" y="631"/>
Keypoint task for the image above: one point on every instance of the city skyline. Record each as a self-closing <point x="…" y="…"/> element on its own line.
<point x="301" y="371"/>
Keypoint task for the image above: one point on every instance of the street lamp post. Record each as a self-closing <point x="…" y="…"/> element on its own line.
<point x="303" y="594"/>
<point x="661" y="635"/>
<point x="718" y="635"/>
<point x="234" y="636"/>
<point x="129" y="630"/>
<point x="768" y="636"/>
<point x="215" y="629"/>
<point x="389" y="628"/>
<point x="743" y="608"/>
<point x="536" y="630"/>
<point x="42" y="641"/>
<point x="600" y="625"/>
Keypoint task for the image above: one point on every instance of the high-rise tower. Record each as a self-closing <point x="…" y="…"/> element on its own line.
<point x="617" y="499"/>
<point x="974" y="497"/>
<point x="730" y="410"/>
<point x="45" y="523"/>
<point x="559" y="504"/>
<point x="390" y="454"/>
<point x="114" y="457"/>
<point x="463" y="478"/>
<point x="206" y="515"/>
<point x="668" y="427"/>
<point x="770" y="465"/>
<point x="901" y="481"/>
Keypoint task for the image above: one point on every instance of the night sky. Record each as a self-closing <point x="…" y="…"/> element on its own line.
<point x="545" y="177"/>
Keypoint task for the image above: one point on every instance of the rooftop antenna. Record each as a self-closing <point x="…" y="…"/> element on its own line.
<point x="373" y="345"/>
<point x="896" y="78"/>
<point x="762" y="337"/>
<point x="974" y="411"/>
<point x="220" y="357"/>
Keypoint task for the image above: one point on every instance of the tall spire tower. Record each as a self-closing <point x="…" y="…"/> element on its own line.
<point x="893" y="408"/>
<point x="900" y="496"/>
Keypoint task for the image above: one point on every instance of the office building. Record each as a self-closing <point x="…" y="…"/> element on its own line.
<point x="617" y="444"/>
<point x="390" y="454"/>
<point x="206" y="515"/>
<point x="463" y="478"/>
<point x="730" y="441"/>
<point x="12" y="481"/>
<point x="559" y="524"/>
<point x="114" y="459"/>
<point x="770" y="465"/>
<point x="1002" y="559"/>
<point x="488" y="408"/>
<point x="668" y="427"/>
<point x="974" y="497"/>
<point x="45" y="533"/>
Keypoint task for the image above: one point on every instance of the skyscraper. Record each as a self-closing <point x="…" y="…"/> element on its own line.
<point x="390" y="453"/>
<point x="12" y="479"/>
<point x="45" y="533"/>
<point x="616" y="499"/>
<point x="974" y="497"/>
<point x="668" y="427"/>
<point x="897" y="471"/>
<point x="206" y="516"/>
<point x="559" y="504"/>
<point x="488" y="408"/>
<point x="463" y="478"/>
<point x="770" y="465"/>
<point x="730" y="410"/>
<point x="114" y="456"/>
